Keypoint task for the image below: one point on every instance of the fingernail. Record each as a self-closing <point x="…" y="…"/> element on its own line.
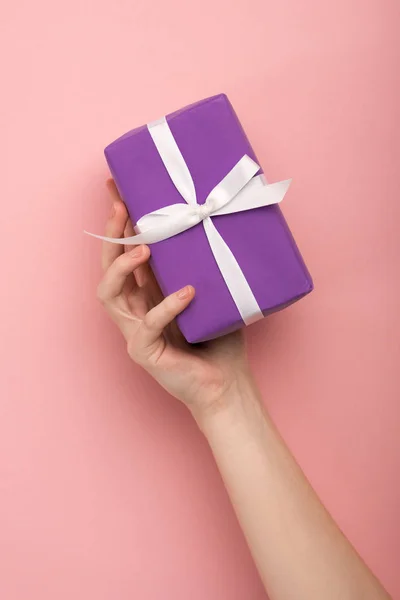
<point x="136" y="252"/>
<point x="184" y="292"/>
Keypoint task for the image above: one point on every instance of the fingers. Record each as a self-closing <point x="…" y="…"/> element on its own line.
<point x="117" y="273"/>
<point x="115" y="227"/>
<point x="112" y="188"/>
<point x="161" y="315"/>
<point x="141" y="273"/>
<point x="122" y="267"/>
<point x="129" y="232"/>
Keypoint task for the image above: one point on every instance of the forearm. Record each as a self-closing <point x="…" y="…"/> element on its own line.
<point x="298" y="549"/>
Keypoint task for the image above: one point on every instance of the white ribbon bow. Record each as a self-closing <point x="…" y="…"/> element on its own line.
<point x="238" y="191"/>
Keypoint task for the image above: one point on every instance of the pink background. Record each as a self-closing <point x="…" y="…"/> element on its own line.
<point x="107" y="489"/>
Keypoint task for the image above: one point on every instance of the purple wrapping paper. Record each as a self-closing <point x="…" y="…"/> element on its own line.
<point x="211" y="140"/>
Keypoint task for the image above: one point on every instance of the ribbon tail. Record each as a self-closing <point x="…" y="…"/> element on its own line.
<point x="135" y="240"/>
<point x="158" y="226"/>
<point x="234" y="278"/>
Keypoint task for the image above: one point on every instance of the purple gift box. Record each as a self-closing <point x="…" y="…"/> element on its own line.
<point x="211" y="140"/>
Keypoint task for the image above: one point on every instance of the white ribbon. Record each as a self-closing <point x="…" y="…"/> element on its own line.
<point x="238" y="191"/>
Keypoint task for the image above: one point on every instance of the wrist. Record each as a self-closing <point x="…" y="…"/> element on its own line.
<point x="235" y="404"/>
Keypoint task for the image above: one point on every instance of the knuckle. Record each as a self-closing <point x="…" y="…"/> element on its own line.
<point x="150" y="321"/>
<point x="126" y="263"/>
<point x="169" y="306"/>
<point x="121" y="263"/>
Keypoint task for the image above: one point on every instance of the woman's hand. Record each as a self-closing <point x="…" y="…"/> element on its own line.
<point x="203" y="377"/>
<point x="298" y="549"/>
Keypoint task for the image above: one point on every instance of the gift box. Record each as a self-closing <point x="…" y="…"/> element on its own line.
<point x="243" y="262"/>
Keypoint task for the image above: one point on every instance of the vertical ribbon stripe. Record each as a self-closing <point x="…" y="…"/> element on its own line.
<point x="232" y="183"/>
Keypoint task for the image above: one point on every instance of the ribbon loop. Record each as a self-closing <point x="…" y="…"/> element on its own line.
<point x="233" y="182"/>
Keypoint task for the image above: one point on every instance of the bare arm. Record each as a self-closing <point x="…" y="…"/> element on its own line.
<point x="297" y="547"/>
<point x="299" y="551"/>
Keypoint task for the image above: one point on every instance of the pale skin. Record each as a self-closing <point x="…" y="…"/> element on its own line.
<point x="299" y="551"/>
